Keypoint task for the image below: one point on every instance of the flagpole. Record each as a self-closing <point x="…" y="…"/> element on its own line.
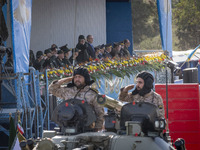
<point x="73" y="51"/>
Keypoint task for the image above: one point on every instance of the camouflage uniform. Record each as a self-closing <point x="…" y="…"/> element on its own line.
<point x="86" y="93"/>
<point x="151" y="97"/>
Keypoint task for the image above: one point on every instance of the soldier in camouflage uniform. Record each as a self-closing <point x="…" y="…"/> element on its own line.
<point x="79" y="88"/>
<point x="143" y="92"/>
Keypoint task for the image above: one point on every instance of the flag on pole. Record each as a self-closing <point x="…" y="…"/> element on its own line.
<point x="16" y="145"/>
<point x="12" y="132"/>
<point x="192" y="53"/>
<point x="21" y="32"/>
<point x="20" y="130"/>
<point x="165" y="21"/>
<point x="16" y="134"/>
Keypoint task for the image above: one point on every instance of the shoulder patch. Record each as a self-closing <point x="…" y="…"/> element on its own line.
<point x="160" y="106"/>
<point x="95" y="90"/>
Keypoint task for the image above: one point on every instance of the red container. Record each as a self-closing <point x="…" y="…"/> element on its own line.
<point x="184" y="112"/>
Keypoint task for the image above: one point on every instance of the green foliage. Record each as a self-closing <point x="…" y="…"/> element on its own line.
<point x="146" y="33"/>
<point x="187" y="19"/>
<point x="185" y="24"/>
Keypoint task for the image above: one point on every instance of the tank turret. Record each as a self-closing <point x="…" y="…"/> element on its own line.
<point x="139" y="127"/>
<point x="74" y="116"/>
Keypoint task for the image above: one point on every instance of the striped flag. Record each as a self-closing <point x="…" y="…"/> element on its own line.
<point x="16" y="134"/>
<point x="20" y="132"/>
<point x="192" y="53"/>
<point x="20" y="129"/>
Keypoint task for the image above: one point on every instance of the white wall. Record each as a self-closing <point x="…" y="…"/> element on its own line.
<point x="57" y="21"/>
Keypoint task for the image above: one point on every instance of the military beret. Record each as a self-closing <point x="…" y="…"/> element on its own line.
<point x="47" y="51"/>
<point x="108" y="45"/>
<point x="60" y="52"/>
<point x="81" y="37"/>
<point x="65" y="49"/>
<point x="39" y="53"/>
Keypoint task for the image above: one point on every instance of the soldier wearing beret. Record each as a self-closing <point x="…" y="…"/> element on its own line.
<point x="73" y="58"/>
<point x="50" y="62"/>
<point x="108" y="48"/>
<point x="83" y="55"/>
<point x="67" y="52"/>
<point x="38" y="64"/>
<point x="59" y="59"/>
<point x="124" y="51"/>
<point x="54" y="49"/>
<point x="78" y="87"/>
<point x="115" y="52"/>
<point x="143" y="92"/>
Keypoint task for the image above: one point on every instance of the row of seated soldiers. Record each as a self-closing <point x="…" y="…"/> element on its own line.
<point x="55" y="57"/>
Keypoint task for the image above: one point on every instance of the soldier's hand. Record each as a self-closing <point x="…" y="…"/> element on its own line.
<point x="129" y="87"/>
<point x="65" y="80"/>
<point x="92" y="126"/>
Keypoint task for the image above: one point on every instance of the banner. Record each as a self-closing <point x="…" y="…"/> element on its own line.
<point x="165" y="20"/>
<point x="111" y="87"/>
<point x="21" y="31"/>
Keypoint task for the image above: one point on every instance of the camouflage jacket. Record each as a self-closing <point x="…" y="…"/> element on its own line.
<point x="151" y="97"/>
<point x="86" y="93"/>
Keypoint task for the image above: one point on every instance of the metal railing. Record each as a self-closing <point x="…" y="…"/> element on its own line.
<point x="26" y="99"/>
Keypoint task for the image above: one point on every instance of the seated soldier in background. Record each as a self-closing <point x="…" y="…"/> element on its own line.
<point x="115" y="52"/>
<point x="73" y="58"/>
<point x="54" y="49"/>
<point x="31" y="58"/>
<point x="97" y="51"/>
<point x="78" y="87"/>
<point x="124" y="51"/>
<point x="50" y="62"/>
<point x="59" y="59"/>
<point x="38" y="64"/>
<point x="102" y="48"/>
<point x="143" y="92"/>
<point x="108" y="48"/>
<point x="67" y="53"/>
<point x="83" y="55"/>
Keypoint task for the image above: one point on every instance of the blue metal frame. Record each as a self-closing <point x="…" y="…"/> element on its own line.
<point x="33" y="109"/>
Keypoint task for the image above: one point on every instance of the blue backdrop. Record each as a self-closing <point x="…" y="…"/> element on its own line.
<point x="119" y="22"/>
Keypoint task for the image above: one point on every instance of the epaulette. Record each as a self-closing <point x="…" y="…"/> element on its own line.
<point x="95" y="90"/>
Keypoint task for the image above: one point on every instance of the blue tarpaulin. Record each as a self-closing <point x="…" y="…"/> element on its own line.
<point x="21" y="31"/>
<point x="165" y="20"/>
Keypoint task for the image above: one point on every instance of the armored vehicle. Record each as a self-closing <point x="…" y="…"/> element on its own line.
<point x="135" y="127"/>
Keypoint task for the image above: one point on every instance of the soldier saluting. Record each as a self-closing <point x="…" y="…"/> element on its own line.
<point x="78" y="87"/>
<point x="143" y="92"/>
